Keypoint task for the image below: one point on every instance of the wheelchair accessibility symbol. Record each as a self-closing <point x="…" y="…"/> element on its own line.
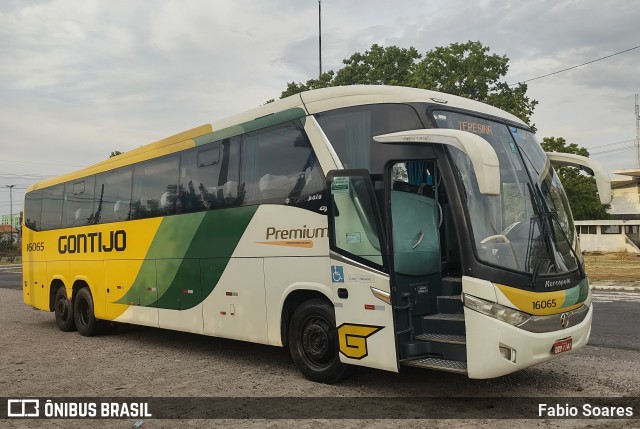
<point x="337" y="274"/>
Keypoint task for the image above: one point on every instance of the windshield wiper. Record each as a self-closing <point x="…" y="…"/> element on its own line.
<point x="554" y="216"/>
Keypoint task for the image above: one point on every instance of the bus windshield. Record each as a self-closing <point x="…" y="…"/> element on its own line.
<point x="529" y="226"/>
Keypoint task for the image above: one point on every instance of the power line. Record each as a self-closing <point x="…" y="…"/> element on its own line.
<point x="40" y="163"/>
<point x="611" y="144"/>
<point x="612" y="152"/>
<point x="574" y="67"/>
<point x="26" y="175"/>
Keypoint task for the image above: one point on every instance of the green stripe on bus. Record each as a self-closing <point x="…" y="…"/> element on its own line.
<point x="171" y="241"/>
<point x="213" y="244"/>
<point x="256" y="124"/>
<point x="187" y="258"/>
<point x="576" y="294"/>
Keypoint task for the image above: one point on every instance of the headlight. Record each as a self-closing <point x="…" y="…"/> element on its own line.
<point x="495" y="310"/>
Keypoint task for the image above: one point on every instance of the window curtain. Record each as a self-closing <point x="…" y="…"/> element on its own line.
<point x="418" y="173"/>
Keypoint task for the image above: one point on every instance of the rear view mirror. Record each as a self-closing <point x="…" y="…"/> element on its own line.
<point x="482" y="155"/>
<point x="590" y="167"/>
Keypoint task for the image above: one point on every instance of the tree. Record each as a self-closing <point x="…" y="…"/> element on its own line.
<point x="581" y="189"/>
<point x="464" y="69"/>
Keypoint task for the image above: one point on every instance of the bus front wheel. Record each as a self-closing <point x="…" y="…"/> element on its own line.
<point x="86" y="321"/>
<point x="63" y="309"/>
<point x="313" y="342"/>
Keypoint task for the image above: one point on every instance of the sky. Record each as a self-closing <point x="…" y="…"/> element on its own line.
<point x="79" y="79"/>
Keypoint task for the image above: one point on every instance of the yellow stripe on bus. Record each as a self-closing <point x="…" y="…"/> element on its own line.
<point x="537" y="303"/>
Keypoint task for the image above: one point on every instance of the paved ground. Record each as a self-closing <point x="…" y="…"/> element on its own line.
<point x="38" y="359"/>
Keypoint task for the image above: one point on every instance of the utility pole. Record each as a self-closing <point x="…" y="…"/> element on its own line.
<point x="637" y="133"/>
<point x="320" y="37"/>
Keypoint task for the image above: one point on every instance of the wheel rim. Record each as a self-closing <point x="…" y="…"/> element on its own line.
<point x="84" y="312"/>
<point x="318" y="342"/>
<point x="62" y="309"/>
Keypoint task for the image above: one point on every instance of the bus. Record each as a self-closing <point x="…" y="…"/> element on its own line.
<point x="371" y="226"/>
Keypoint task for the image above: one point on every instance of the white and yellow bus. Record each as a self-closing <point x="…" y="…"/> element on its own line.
<point x="362" y="225"/>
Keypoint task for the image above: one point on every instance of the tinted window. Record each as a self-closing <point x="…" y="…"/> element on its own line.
<point x="32" y="210"/>
<point x="209" y="176"/>
<point x="113" y="196"/>
<point x="155" y="187"/>
<point x="350" y="130"/>
<point x="78" y="202"/>
<point x="278" y="165"/>
<point x="52" y="207"/>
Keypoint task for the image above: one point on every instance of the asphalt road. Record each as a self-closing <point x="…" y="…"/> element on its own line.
<point x="10" y="280"/>
<point x="615" y="324"/>
<point x="615" y="321"/>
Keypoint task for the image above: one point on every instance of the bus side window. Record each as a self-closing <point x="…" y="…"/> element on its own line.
<point x="188" y="200"/>
<point x="209" y="176"/>
<point x="113" y="196"/>
<point x="279" y="165"/>
<point x="52" y="198"/>
<point x="217" y="169"/>
<point x="155" y="187"/>
<point x="78" y="202"/>
<point x="33" y="210"/>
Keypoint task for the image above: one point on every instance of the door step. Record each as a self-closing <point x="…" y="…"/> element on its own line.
<point x="444" y="323"/>
<point x="450" y="304"/>
<point x="443" y="338"/>
<point x="439" y="364"/>
<point x="451" y="286"/>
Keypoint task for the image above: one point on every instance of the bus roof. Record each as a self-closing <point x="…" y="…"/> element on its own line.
<point x="307" y="103"/>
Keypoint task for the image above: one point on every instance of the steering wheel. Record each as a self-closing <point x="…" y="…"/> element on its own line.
<point x="504" y="239"/>
<point x="502" y="236"/>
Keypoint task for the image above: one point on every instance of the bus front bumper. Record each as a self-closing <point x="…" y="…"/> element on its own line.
<point x="486" y="335"/>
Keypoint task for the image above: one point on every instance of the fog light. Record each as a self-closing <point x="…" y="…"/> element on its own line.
<point x="508" y="353"/>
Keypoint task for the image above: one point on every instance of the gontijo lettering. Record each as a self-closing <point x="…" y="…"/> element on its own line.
<point x="93" y="242"/>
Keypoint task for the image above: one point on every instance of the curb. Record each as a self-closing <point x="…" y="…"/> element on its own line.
<point x="615" y="288"/>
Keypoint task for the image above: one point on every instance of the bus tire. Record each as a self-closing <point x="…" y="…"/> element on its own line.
<point x="63" y="309"/>
<point x="86" y="321"/>
<point x="313" y="342"/>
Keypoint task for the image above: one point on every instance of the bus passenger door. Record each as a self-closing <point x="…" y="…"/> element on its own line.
<point x="360" y="283"/>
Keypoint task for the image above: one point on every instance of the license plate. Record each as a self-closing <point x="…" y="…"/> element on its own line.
<point x="562" y="346"/>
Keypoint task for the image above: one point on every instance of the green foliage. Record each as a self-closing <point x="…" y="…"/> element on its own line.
<point x="379" y="66"/>
<point x="581" y="190"/>
<point x="464" y="69"/>
<point x="323" y="81"/>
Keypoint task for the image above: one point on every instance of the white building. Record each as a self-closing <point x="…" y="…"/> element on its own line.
<point x="609" y="235"/>
<point x="622" y="232"/>
<point x="625" y="193"/>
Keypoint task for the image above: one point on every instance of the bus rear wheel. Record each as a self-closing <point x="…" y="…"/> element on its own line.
<point x="313" y="342"/>
<point x="63" y="309"/>
<point x="86" y="321"/>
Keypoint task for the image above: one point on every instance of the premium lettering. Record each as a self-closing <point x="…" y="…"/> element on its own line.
<point x="114" y="241"/>
<point x="294" y="234"/>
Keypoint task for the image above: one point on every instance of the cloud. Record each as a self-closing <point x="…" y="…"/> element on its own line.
<point x="80" y="79"/>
